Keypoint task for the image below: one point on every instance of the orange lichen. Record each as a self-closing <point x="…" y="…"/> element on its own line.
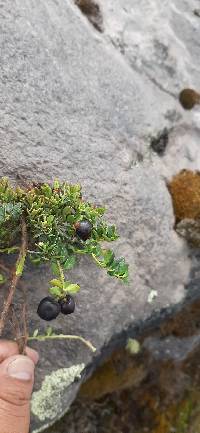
<point x="119" y="372"/>
<point x="185" y="191"/>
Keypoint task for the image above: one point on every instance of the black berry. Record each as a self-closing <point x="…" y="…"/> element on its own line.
<point x="67" y="305"/>
<point x="83" y="229"/>
<point x="48" y="308"/>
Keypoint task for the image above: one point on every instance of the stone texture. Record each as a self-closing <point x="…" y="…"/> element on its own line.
<point x="76" y="108"/>
<point x="154" y="391"/>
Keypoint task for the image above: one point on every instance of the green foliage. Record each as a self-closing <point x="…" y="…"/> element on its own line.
<point x="2" y="279"/>
<point x="50" y="213"/>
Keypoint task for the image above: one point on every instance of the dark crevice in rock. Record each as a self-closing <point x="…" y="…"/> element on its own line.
<point x="92" y="11"/>
<point x="149" y="388"/>
<point x="159" y="143"/>
<point x="160" y="86"/>
<point x="197" y="12"/>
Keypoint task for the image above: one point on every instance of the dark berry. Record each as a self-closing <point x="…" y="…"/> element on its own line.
<point x="48" y="308"/>
<point x="83" y="229"/>
<point x="67" y="305"/>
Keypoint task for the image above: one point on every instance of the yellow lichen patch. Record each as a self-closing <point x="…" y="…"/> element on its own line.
<point x="119" y="372"/>
<point x="185" y="191"/>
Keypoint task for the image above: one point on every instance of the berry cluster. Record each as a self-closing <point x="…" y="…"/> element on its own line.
<point x="49" y="308"/>
<point x="52" y="223"/>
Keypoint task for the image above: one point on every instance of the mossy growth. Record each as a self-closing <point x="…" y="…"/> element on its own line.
<point x="188" y="98"/>
<point x="185" y="191"/>
<point x="40" y="222"/>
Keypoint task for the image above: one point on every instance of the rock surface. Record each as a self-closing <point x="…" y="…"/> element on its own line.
<point x="81" y="106"/>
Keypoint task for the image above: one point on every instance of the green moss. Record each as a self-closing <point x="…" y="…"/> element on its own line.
<point x="184" y="417"/>
<point x="46" y="403"/>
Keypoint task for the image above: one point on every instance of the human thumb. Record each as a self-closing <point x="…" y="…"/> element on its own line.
<point x="16" y="384"/>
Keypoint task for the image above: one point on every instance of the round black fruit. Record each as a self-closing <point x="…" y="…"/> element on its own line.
<point x="48" y="308"/>
<point x="83" y="229"/>
<point x="67" y="305"/>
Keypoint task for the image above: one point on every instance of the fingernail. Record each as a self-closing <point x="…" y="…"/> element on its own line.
<point x="21" y="368"/>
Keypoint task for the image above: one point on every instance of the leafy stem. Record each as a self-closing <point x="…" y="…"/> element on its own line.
<point x="16" y="274"/>
<point x="62" y="277"/>
<point x="65" y="337"/>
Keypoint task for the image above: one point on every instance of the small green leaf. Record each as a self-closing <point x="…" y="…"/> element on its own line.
<point x="108" y="257"/>
<point x="56" y="283"/>
<point x="35" y="260"/>
<point x="71" y="219"/>
<point x="50" y="219"/>
<point x="55" y="291"/>
<point x="69" y="263"/>
<point x="49" y="331"/>
<point x="67" y="211"/>
<point x="56" y="184"/>
<point x="111" y="233"/>
<point x="100" y="210"/>
<point x="2" y="279"/>
<point x="71" y="288"/>
<point x="9" y="250"/>
<point x="55" y="269"/>
<point x="46" y="189"/>
<point x="36" y="332"/>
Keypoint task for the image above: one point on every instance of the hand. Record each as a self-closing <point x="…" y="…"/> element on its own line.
<point x="16" y="384"/>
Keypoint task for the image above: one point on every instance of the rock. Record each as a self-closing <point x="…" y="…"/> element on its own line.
<point x="157" y="386"/>
<point x="92" y="12"/>
<point x="158" y="40"/>
<point x="76" y="108"/>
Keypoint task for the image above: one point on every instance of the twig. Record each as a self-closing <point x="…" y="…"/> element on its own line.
<point x="24" y="321"/>
<point x="62" y="336"/>
<point x="62" y="277"/>
<point x="16" y="328"/>
<point x="16" y="275"/>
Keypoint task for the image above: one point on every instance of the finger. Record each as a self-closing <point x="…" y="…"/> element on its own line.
<point x="32" y="354"/>
<point x="7" y="348"/>
<point x="10" y="348"/>
<point x="16" y="379"/>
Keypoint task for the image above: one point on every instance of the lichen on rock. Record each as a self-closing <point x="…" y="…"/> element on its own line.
<point x="48" y="399"/>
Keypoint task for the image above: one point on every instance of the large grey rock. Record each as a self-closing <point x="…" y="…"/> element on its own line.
<point x="160" y="40"/>
<point x="73" y="107"/>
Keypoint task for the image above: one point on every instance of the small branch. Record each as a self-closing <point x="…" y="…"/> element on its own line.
<point x="24" y="322"/>
<point x="62" y="277"/>
<point x="16" y="275"/>
<point x="62" y="336"/>
<point x="16" y="328"/>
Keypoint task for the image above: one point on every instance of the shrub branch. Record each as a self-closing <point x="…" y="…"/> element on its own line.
<point x="16" y="275"/>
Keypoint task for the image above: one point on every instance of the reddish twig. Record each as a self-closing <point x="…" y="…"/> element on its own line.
<point x="17" y="332"/>
<point x="24" y="322"/>
<point x="15" y="277"/>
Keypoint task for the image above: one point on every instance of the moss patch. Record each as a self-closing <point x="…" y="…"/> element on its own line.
<point x="185" y="191"/>
<point x="122" y="370"/>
